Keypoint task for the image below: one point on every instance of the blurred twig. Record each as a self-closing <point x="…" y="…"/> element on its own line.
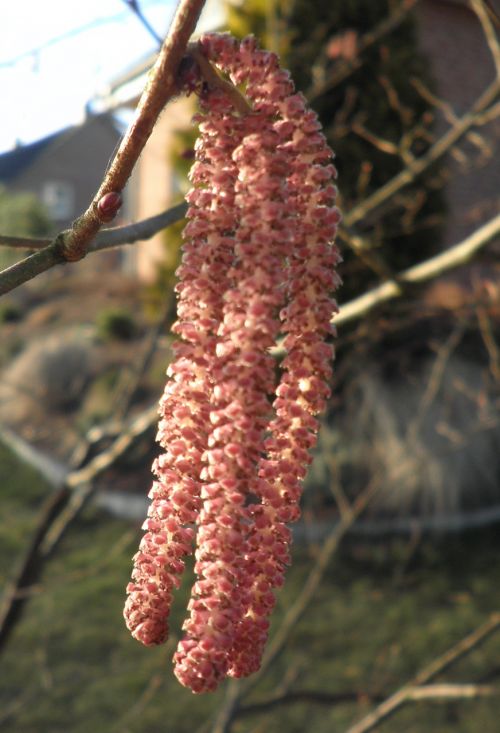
<point x="343" y="69"/>
<point x="436" y="378"/>
<point x="316" y="697"/>
<point x="431" y="268"/>
<point x="486" y="14"/>
<point x="237" y="690"/>
<point x="108" y="238"/>
<point x="419" y="165"/>
<point x="416" y="690"/>
<point x="57" y="512"/>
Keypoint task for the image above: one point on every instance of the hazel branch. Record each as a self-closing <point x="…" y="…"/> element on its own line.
<point x="73" y="244"/>
<point x="161" y="87"/>
<point x="49" y="256"/>
<point x="431" y="268"/>
<point x="108" y="238"/>
<point x="419" y="165"/>
<point x="416" y="690"/>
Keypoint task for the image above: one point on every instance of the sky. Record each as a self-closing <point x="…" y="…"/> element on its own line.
<point x="56" y="55"/>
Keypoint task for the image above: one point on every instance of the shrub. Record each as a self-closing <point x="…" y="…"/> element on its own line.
<point x="116" y="323"/>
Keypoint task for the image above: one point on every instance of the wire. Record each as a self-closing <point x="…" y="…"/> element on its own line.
<point x="69" y="34"/>
<point x="135" y="8"/>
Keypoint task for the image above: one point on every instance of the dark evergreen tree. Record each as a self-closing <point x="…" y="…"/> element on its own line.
<point x="316" y="40"/>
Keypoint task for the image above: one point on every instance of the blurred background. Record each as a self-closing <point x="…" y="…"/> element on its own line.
<point x="396" y="557"/>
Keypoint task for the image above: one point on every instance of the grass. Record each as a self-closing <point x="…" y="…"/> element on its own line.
<point x="378" y="617"/>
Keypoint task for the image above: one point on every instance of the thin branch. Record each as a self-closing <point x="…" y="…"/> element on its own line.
<point x="450" y="116"/>
<point x="108" y="238"/>
<point x="363" y="248"/>
<point x="435" y="381"/>
<point x="73" y="244"/>
<point x="486" y="14"/>
<point x="30" y="267"/>
<point x="436" y="693"/>
<point x="450" y="691"/>
<point x="161" y="87"/>
<point x="492" y="12"/>
<point x="58" y="511"/>
<point x="487" y="333"/>
<point x="50" y="256"/>
<point x="23" y="242"/>
<point x="344" y="69"/>
<point x="419" y="165"/>
<point x="236" y="691"/>
<point x="431" y="268"/>
<point x="439" y="665"/>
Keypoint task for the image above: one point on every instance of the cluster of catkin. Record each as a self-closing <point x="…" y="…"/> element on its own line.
<point x="258" y="263"/>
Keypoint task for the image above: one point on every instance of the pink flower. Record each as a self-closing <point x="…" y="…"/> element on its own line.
<point x="185" y="405"/>
<point x="258" y="262"/>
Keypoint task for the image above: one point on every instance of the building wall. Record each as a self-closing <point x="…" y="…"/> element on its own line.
<point x="77" y="159"/>
<point x="153" y="186"/>
<point x="461" y="62"/>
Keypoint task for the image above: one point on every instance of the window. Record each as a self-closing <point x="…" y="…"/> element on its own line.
<point x="59" y="198"/>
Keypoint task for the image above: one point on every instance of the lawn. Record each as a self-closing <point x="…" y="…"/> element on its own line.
<point x="383" y="610"/>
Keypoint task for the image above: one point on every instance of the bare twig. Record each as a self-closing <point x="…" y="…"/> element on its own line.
<point x="419" y="165"/>
<point x="345" y="68"/>
<point x="431" y="268"/>
<point x="23" y="242"/>
<point x="236" y="690"/>
<point x="50" y="256"/>
<point x="437" y="693"/>
<point x="73" y="244"/>
<point x="13" y="602"/>
<point x="161" y="87"/>
<point x="492" y="12"/>
<point x="435" y="379"/>
<point x="450" y="691"/>
<point x="108" y="238"/>
<point x="487" y="334"/>
<point x="57" y="512"/>
<point x="486" y="14"/>
<point x="409" y="691"/>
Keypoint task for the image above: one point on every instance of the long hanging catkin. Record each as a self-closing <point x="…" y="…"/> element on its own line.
<point x="258" y="262"/>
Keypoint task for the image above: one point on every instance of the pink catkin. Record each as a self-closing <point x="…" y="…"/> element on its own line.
<point x="244" y="379"/>
<point x="184" y="407"/>
<point x="258" y="261"/>
<point x="303" y="388"/>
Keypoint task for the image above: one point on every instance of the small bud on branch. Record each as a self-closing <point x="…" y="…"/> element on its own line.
<point x="108" y="206"/>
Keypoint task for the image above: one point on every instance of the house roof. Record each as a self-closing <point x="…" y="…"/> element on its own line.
<point x="15" y="161"/>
